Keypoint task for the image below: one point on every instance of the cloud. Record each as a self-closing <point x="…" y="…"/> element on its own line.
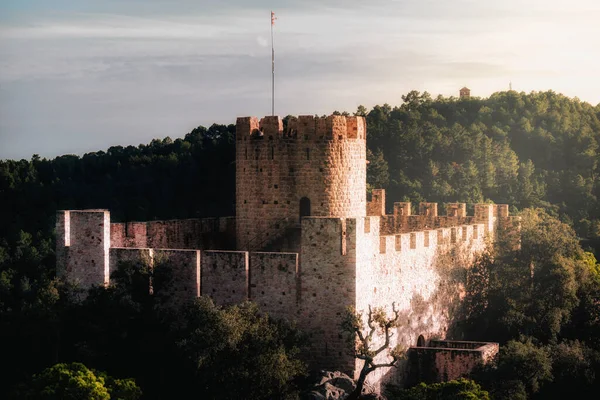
<point x="262" y="42"/>
<point x="84" y="78"/>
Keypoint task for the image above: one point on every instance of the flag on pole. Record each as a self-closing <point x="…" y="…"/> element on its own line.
<point x="273" y="18"/>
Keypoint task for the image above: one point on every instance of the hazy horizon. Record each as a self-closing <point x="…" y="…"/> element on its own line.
<point x="83" y="76"/>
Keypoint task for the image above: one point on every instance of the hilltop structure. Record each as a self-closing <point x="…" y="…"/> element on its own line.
<point x="464" y="93"/>
<point x="306" y="244"/>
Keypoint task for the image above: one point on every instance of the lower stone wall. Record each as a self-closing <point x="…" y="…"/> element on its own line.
<point x="176" y="273"/>
<point x="274" y="283"/>
<point x="228" y="277"/>
<point x="138" y="258"/>
<point x="422" y="273"/>
<point x="224" y="276"/>
<point x="438" y="363"/>
<point x="343" y="262"/>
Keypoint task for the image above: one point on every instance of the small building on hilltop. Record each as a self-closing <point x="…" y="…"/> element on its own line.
<point x="464" y="93"/>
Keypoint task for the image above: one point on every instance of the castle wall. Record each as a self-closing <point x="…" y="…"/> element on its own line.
<point x="138" y="257"/>
<point x="328" y="276"/>
<point x="176" y="274"/>
<point x="82" y="244"/>
<point x="273" y="283"/>
<point x="421" y="272"/>
<point x="321" y="160"/>
<point x="225" y="276"/>
<point x="63" y="242"/>
<point x="130" y="234"/>
<point x="445" y="360"/>
<point x="202" y="233"/>
<point x="228" y="277"/>
<point x="376" y="206"/>
<point x="343" y="262"/>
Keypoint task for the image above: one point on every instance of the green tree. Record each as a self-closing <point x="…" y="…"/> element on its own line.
<point x="377" y="171"/>
<point x="75" y="381"/>
<point x="522" y="369"/>
<point x="237" y="352"/>
<point x="530" y="290"/>
<point x="461" y="389"/>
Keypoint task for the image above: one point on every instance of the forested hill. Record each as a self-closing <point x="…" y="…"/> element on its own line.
<point x="527" y="150"/>
<point x="538" y="149"/>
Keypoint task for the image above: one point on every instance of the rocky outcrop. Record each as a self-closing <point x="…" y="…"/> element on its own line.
<point x="328" y="385"/>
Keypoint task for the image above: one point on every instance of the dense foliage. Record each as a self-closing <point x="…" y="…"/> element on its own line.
<point x="540" y="300"/>
<point x="75" y="381"/>
<point x="527" y="150"/>
<point x="461" y="389"/>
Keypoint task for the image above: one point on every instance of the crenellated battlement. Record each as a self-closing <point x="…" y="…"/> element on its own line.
<point x="432" y="239"/>
<point x="302" y="128"/>
<point x="402" y="220"/>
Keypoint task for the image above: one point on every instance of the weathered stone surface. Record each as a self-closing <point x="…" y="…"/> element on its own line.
<point x="322" y="160"/>
<point x="274" y="283"/>
<point x="204" y="233"/>
<point x="183" y="275"/>
<point x="224" y="276"/>
<point x="445" y="360"/>
<point x="327" y="286"/>
<point x="83" y="242"/>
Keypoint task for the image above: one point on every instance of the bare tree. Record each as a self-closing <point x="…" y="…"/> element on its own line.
<point x="362" y="338"/>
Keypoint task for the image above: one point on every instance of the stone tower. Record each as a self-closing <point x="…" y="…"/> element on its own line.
<point x="465" y="93"/>
<point x="316" y="167"/>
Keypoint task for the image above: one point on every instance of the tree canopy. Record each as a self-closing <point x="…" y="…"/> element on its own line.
<point x="75" y="381"/>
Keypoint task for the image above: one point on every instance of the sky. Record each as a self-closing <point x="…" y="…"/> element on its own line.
<point x="83" y="75"/>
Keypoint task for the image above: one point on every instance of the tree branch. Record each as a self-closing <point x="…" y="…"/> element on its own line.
<point x="371" y="325"/>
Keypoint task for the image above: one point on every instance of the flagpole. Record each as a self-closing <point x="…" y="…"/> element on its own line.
<point x="272" y="66"/>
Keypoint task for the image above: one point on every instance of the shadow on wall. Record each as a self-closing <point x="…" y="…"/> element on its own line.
<point x="417" y="326"/>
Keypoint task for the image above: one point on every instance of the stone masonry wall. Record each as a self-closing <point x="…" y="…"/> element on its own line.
<point x="321" y="160"/>
<point x="82" y="245"/>
<point x="180" y="282"/>
<point x="225" y="276"/>
<point x="139" y="258"/>
<point x="421" y="272"/>
<point x="274" y="283"/>
<point x="228" y="277"/>
<point x="446" y="360"/>
<point x="328" y="286"/>
<point x="203" y="233"/>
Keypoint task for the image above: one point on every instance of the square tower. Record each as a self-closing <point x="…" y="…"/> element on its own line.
<point x="82" y="246"/>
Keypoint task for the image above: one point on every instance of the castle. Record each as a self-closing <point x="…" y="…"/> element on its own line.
<point x="305" y="243"/>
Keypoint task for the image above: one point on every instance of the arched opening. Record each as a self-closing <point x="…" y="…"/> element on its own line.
<point x="304" y="207"/>
<point x="421" y="341"/>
